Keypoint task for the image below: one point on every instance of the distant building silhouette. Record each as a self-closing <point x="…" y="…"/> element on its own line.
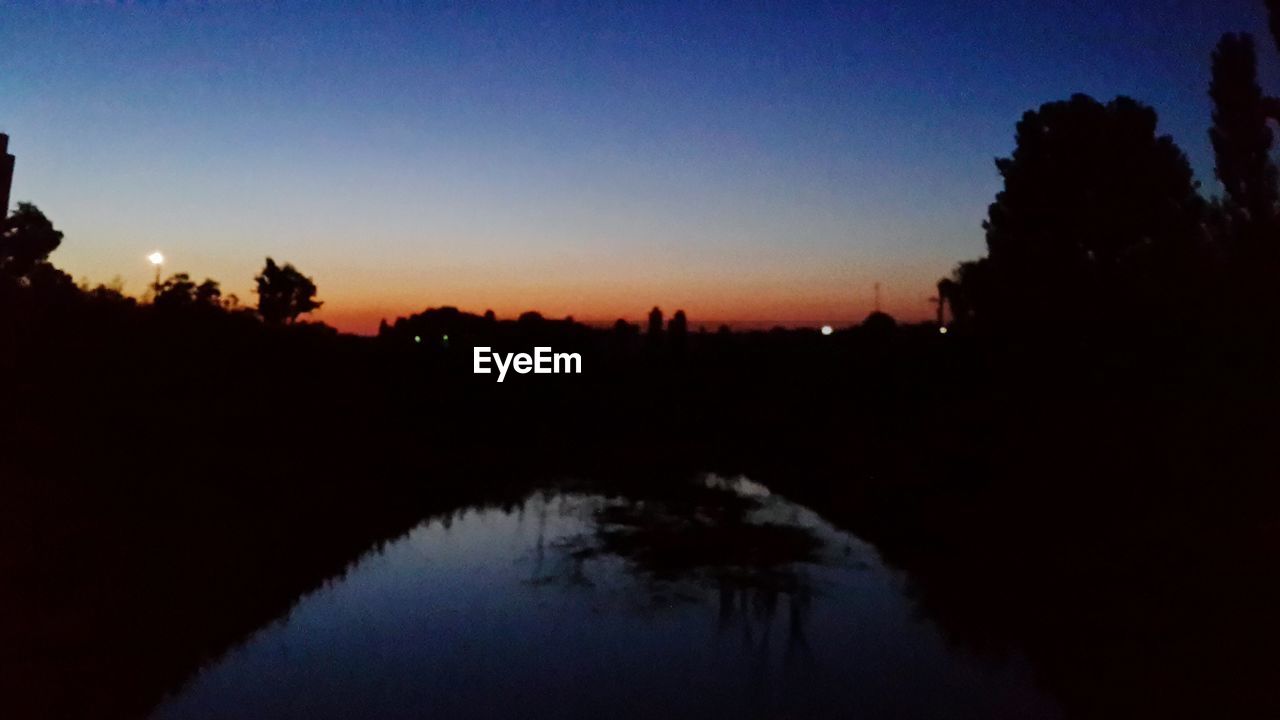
<point x="6" y="175"/>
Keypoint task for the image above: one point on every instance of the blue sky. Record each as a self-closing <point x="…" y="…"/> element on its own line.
<point x="746" y="161"/>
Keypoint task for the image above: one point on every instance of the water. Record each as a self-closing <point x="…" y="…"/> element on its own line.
<point x="723" y="602"/>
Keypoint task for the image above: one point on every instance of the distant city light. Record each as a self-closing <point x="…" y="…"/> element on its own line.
<point x="826" y="330"/>
<point x="943" y="330"/>
<point x="156" y="258"/>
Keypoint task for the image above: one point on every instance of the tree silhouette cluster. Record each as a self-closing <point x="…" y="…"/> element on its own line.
<point x="1100" y="226"/>
<point x="179" y="291"/>
<point x="27" y="237"/>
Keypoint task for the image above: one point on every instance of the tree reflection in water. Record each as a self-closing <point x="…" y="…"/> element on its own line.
<point x="731" y="539"/>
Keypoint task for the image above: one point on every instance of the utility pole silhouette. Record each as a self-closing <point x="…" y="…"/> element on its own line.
<point x="6" y="175"/>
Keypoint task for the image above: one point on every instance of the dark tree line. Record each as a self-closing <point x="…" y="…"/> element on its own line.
<point x="179" y="291"/>
<point x="28" y="237"/>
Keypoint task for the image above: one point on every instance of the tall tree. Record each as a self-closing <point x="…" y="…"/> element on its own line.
<point x="678" y="331"/>
<point x="284" y="293"/>
<point x="1240" y="135"/>
<point x="655" y="322"/>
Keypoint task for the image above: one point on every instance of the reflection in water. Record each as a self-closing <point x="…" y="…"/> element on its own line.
<point x="719" y="599"/>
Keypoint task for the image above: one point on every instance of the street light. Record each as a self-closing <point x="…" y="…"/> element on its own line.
<point x="157" y="259"/>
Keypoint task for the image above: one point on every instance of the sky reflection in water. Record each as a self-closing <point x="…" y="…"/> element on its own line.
<point x="724" y="601"/>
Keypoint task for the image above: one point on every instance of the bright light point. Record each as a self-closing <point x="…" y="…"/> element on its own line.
<point x="417" y="338"/>
<point x="826" y="330"/>
<point x="446" y="338"/>
<point x="942" y="330"/>
<point x="156" y="258"/>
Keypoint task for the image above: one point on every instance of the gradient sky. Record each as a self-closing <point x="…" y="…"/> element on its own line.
<point x="744" y="161"/>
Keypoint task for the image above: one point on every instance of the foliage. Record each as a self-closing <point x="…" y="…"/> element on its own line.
<point x="26" y="239"/>
<point x="284" y="293"/>
<point x="1095" y="204"/>
<point x="1240" y="135"/>
<point x="179" y="291"/>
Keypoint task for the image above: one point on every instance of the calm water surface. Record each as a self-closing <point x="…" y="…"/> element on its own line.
<point x="726" y="603"/>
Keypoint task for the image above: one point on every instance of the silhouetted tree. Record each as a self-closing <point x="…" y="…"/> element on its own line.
<point x="177" y="291"/>
<point x="881" y="318"/>
<point x="1093" y="199"/>
<point x="678" y="331"/>
<point x="1240" y="136"/>
<point x="284" y="293"/>
<point x="109" y="293"/>
<point x="43" y="276"/>
<point x="879" y="325"/>
<point x="970" y="290"/>
<point x="947" y="290"/>
<point x="624" y="336"/>
<point x="26" y="239"/>
<point x="655" y="323"/>
<point x="209" y="293"/>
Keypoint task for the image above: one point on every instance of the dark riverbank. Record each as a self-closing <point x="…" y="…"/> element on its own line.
<point x="172" y="486"/>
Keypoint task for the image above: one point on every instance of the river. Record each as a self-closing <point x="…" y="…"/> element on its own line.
<point x="725" y="601"/>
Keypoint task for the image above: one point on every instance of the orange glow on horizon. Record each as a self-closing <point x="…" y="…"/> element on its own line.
<point x="741" y="292"/>
<point x="364" y="320"/>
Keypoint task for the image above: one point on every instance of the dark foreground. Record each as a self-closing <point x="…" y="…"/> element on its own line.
<point x="169" y="489"/>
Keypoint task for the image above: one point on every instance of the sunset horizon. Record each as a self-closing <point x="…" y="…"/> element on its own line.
<point x="820" y="359"/>
<point x="759" y="165"/>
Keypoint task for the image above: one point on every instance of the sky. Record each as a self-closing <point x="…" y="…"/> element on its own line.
<point x="747" y="162"/>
